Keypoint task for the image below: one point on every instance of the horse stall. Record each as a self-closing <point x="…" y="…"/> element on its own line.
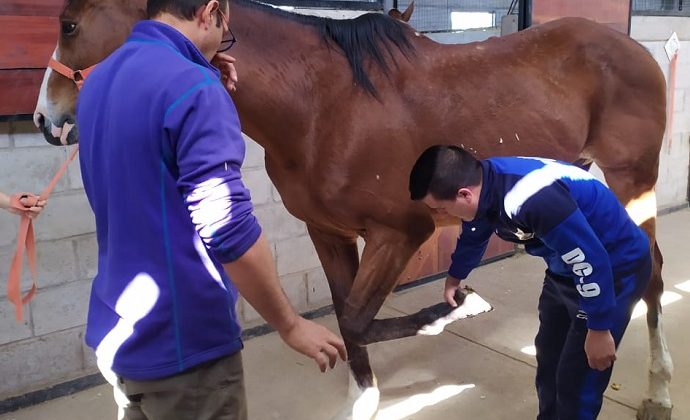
<point x="480" y="368"/>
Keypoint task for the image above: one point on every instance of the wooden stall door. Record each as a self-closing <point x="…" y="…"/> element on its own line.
<point x="614" y="13"/>
<point x="28" y="35"/>
<point x="433" y="256"/>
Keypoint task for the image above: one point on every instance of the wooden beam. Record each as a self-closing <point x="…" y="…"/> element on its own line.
<point x="20" y="90"/>
<point x="31" y="7"/>
<point x="27" y="42"/>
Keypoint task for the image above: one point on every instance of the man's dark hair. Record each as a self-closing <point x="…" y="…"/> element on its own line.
<point x="441" y="171"/>
<point x="182" y="9"/>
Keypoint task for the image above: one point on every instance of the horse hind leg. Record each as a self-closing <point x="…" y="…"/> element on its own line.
<point x="340" y="259"/>
<point x="635" y="189"/>
<point x="658" y="404"/>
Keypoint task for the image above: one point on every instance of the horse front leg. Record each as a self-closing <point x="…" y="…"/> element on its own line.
<point x="340" y="260"/>
<point x="385" y="256"/>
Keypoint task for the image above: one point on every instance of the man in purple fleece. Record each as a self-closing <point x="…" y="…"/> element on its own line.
<point x="161" y="153"/>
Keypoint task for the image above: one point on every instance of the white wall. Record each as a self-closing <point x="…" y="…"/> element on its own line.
<point x="652" y="32"/>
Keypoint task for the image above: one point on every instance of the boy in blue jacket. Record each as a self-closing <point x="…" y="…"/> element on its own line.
<point x="598" y="260"/>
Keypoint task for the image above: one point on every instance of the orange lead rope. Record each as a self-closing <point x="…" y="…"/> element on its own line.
<point x="26" y="242"/>
<point x="671" y="100"/>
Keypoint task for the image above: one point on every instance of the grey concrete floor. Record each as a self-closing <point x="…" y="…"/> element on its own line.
<point x="476" y="369"/>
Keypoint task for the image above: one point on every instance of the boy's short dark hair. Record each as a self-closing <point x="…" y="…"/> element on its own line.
<point x="183" y="9"/>
<point x="441" y="171"/>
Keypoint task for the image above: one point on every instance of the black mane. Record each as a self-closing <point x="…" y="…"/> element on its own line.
<point x="370" y="35"/>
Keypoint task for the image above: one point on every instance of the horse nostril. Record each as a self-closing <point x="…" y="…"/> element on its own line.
<point x="39" y="120"/>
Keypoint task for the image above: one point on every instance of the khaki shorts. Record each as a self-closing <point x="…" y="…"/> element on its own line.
<point x="211" y="391"/>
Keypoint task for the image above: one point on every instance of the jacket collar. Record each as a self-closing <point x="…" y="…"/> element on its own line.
<point x="156" y="32"/>
<point x="487" y="197"/>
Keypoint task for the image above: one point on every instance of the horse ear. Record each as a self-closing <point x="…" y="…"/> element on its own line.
<point x="407" y="14"/>
<point x="395" y="14"/>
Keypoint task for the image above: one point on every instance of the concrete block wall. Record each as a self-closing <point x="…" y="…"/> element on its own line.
<point x="47" y="347"/>
<point x="298" y="266"/>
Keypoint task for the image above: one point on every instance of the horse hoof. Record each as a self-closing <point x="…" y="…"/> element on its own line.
<point x="650" y="410"/>
<point x="472" y="305"/>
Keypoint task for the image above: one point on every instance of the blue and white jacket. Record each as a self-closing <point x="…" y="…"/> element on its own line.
<point x="161" y="151"/>
<point x="562" y="214"/>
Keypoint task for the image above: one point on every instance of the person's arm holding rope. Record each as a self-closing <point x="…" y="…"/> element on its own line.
<point x="32" y="204"/>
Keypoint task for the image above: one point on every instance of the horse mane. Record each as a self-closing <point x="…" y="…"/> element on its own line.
<point x="370" y="35"/>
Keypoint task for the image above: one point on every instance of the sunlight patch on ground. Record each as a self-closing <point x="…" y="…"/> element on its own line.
<point x="530" y="350"/>
<point x="666" y="299"/>
<point x="684" y="286"/>
<point x="418" y="402"/>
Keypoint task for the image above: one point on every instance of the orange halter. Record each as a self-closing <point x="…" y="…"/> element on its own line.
<point x="77" y="76"/>
<point x="25" y="236"/>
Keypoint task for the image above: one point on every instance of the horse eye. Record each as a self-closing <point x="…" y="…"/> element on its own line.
<point x="68" y="28"/>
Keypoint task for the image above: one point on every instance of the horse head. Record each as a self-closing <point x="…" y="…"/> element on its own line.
<point x="89" y="31"/>
<point x="402" y="16"/>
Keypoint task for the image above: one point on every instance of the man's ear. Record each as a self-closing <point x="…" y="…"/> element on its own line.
<point x="205" y="14"/>
<point x="464" y="194"/>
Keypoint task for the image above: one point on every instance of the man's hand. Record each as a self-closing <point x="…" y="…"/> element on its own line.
<point x="452" y="285"/>
<point x="32" y="204"/>
<point x="228" y="74"/>
<point x="315" y="341"/>
<point x="600" y="349"/>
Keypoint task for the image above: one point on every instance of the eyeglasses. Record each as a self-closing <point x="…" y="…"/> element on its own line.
<point x="228" y="37"/>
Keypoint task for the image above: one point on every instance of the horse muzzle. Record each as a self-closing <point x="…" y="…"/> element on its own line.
<point x="62" y="133"/>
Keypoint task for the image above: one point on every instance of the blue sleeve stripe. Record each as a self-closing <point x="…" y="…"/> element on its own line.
<point x="187" y="94"/>
<point x="171" y="271"/>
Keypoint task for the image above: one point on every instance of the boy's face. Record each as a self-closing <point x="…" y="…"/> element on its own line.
<point x="464" y="205"/>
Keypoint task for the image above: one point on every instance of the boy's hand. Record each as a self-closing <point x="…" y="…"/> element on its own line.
<point x="452" y="285"/>
<point x="600" y="349"/>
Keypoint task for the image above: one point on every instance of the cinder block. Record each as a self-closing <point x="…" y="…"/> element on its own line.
<point x="31" y="169"/>
<point x="5" y="140"/>
<point x="679" y="100"/>
<point x="25" y="134"/>
<point x="682" y="75"/>
<point x="67" y="214"/>
<point x="276" y="195"/>
<point x="259" y="185"/>
<point x="278" y="224"/>
<point x="74" y="175"/>
<point x="10" y="329"/>
<point x="672" y="185"/>
<point x="89" y="357"/>
<point x="55" y="264"/>
<point x="9" y="225"/>
<point x="658" y="28"/>
<point x="681" y="122"/>
<point x="6" y="258"/>
<point x="87" y="257"/>
<point x="684" y="52"/>
<point x="254" y="157"/>
<point x="61" y="307"/>
<point x="295" y="289"/>
<point x="318" y="291"/>
<point x="39" y="362"/>
<point x="295" y="255"/>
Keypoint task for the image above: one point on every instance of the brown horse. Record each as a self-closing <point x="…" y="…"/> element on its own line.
<point x="343" y="109"/>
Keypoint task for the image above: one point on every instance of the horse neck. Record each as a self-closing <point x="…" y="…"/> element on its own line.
<point x="278" y="63"/>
